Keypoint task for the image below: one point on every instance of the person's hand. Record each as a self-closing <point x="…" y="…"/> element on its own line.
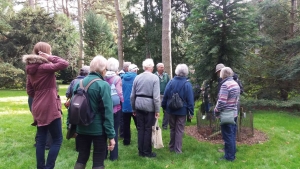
<point x="134" y="113"/>
<point x="111" y="145"/>
<point x="157" y="115"/>
<point x="190" y="117"/>
<point x="44" y="55"/>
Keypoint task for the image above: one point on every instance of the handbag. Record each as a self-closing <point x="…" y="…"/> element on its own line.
<point x="227" y="117"/>
<point x="156" y="136"/>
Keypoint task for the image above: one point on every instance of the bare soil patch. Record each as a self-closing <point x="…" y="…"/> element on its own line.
<point x="258" y="137"/>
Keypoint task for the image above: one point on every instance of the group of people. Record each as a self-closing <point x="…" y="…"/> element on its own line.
<point x="141" y="97"/>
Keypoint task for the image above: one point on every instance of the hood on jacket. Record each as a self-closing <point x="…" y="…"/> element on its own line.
<point x="109" y="74"/>
<point x="128" y="76"/>
<point x="33" y="62"/>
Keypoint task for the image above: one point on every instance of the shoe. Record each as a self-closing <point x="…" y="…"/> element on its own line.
<point x="151" y="155"/>
<point x="126" y="143"/>
<point x="224" y="159"/>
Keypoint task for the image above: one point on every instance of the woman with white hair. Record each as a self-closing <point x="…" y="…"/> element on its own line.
<point x="111" y="77"/>
<point x="103" y="125"/>
<point x="177" y="118"/>
<point x="145" y="102"/>
<point x="226" y="108"/>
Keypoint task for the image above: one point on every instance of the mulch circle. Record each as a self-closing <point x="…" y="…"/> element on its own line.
<point x="258" y="137"/>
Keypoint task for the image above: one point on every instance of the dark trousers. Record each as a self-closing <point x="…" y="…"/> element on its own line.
<point x="228" y="134"/>
<point x="115" y="153"/>
<point x="99" y="151"/>
<point x="177" y="124"/>
<point x="127" y="133"/>
<point x="165" y="120"/>
<point x="55" y="130"/>
<point x="145" y="121"/>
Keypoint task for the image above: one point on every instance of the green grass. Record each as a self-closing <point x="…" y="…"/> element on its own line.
<point x="281" y="151"/>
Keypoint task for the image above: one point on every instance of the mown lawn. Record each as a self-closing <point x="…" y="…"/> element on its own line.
<point x="281" y="151"/>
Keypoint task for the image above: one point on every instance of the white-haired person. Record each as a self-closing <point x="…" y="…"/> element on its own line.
<point x="102" y="128"/>
<point x="227" y="107"/>
<point x="177" y="118"/>
<point x="127" y="83"/>
<point x="112" y="78"/>
<point x="145" y="102"/>
<point x="163" y="81"/>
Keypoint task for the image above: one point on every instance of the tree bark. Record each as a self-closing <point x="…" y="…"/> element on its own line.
<point x="79" y="18"/>
<point x="54" y="6"/>
<point x="120" y="30"/>
<point x="166" y="37"/>
<point x="293" y="9"/>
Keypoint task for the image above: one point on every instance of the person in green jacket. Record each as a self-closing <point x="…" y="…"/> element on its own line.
<point x="163" y="81"/>
<point x="103" y="125"/>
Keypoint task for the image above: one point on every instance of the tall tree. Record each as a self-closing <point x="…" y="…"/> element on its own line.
<point x="221" y="33"/>
<point x="120" y="30"/>
<point x="80" y="23"/>
<point x="166" y="36"/>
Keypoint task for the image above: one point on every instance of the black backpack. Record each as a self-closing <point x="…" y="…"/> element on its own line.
<point x="80" y="111"/>
<point x="176" y="102"/>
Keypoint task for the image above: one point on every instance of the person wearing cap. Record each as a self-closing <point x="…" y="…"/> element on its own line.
<point x="145" y="102"/>
<point x="127" y="82"/>
<point x="83" y="72"/>
<point x="163" y="79"/>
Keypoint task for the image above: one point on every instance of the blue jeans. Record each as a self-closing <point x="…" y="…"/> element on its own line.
<point x="55" y="130"/>
<point x="84" y="149"/>
<point x="228" y="134"/>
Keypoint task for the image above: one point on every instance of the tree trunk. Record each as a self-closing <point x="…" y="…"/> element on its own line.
<point x="79" y="18"/>
<point x="31" y="3"/>
<point x="293" y="9"/>
<point x="166" y="37"/>
<point x="54" y="6"/>
<point x="148" y="55"/>
<point x="120" y="30"/>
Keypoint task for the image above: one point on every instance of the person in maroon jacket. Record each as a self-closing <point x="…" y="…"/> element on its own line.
<point x="46" y="107"/>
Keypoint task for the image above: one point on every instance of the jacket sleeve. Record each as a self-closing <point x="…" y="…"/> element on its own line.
<point x="108" y="114"/>
<point x="132" y="95"/>
<point x="119" y="88"/>
<point x="156" y="95"/>
<point x="190" y="98"/>
<point x="223" y="95"/>
<point x="69" y="92"/>
<point x="56" y="64"/>
<point x="29" y="88"/>
<point x="166" y="96"/>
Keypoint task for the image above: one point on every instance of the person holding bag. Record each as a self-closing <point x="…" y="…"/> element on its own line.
<point x="226" y="110"/>
<point x="178" y="90"/>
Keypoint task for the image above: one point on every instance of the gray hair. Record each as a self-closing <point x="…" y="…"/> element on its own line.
<point x="159" y="64"/>
<point x="182" y="70"/>
<point x="112" y="64"/>
<point x="133" y="68"/>
<point x="226" y="72"/>
<point x="85" y="70"/>
<point x="126" y="64"/>
<point x="148" y="63"/>
<point x="98" y="64"/>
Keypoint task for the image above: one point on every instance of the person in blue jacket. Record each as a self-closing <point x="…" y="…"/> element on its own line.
<point x="127" y="82"/>
<point x="177" y="118"/>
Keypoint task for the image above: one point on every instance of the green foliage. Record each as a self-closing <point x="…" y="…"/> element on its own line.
<point x="221" y="32"/>
<point x="97" y="37"/>
<point x="30" y="26"/>
<point x="274" y="70"/>
<point x="282" y="129"/>
<point x="11" y="77"/>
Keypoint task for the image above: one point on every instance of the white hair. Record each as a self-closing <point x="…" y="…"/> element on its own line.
<point x="159" y="64"/>
<point x="148" y="63"/>
<point x="98" y="64"/>
<point x="226" y="72"/>
<point x="182" y="70"/>
<point x="112" y="64"/>
<point x="126" y="64"/>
